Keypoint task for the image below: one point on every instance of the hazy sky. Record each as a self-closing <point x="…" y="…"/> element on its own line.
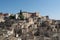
<point x="45" y="7"/>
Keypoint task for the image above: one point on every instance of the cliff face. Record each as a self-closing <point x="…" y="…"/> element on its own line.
<point x="32" y="27"/>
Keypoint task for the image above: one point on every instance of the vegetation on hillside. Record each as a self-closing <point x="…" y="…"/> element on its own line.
<point x="12" y="17"/>
<point x="21" y="16"/>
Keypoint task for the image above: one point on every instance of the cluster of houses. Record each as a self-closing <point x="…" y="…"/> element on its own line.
<point x="33" y="26"/>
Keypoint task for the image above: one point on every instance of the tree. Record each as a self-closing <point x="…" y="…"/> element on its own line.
<point x="20" y="12"/>
<point x="21" y="16"/>
<point x="12" y="17"/>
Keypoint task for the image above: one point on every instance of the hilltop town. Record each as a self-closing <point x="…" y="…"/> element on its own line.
<point x="28" y="26"/>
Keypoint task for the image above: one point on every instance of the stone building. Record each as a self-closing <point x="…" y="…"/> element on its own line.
<point x="1" y="17"/>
